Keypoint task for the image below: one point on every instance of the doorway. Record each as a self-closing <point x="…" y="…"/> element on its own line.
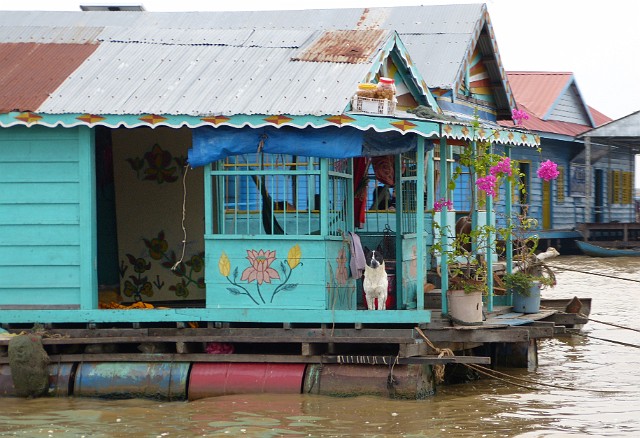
<point x="598" y="196"/>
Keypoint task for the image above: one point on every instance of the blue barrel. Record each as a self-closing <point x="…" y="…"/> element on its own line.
<point x="59" y="379"/>
<point x="121" y="380"/>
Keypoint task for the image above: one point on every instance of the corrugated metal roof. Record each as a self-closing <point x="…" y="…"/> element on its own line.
<point x="29" y="72"/>
<point x="538" y="90"/>
<point x="599" y="118"/>
<point x="49" y="34"/>
<point x="137" y="78"/>
<point x="434" y="55"/>
<point x="623" y="132"/>
<point x="454" y="26"/>
<point x="535" y="123"/>
<point x="448" y="31"/>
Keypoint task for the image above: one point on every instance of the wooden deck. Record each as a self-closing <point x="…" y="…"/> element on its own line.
<point x="294" y="343"/>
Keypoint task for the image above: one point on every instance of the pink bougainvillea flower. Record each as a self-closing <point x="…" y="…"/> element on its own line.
<point x="548" y="170"/>
<point x="440" y="204"/>
<point x="260" y="269"/>
<point x="503" y="167"/>
<point x="519" y="115"/>
<point x="487" y="184"/>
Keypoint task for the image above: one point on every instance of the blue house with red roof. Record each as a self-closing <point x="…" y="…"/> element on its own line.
<point x="558" y="113"/>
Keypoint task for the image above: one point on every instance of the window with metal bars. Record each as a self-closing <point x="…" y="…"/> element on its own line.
<point x="277" y="194"/>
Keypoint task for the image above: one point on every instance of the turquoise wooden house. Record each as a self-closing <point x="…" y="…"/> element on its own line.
<point x="215" y="173"/>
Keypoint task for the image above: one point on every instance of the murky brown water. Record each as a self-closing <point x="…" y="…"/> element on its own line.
<point x="484" y="408"/>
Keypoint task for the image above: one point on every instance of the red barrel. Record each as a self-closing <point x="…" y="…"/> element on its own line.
<point x="213" y="379"/>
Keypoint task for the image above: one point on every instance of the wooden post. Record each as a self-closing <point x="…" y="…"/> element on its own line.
<point x="324" y="197"/>
<point x="88" y="215"/>
<point x="474" y="195"/>
<point x="400" y="207"/>
<point x="444" y="192"/>
<point x="508" y="204"/>
<point x="587" y="179"/>
<point x="489" y="248"/>
<point x="420" y="240"/>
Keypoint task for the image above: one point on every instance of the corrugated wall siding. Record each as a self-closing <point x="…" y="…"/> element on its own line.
<point x="46" y="218"/>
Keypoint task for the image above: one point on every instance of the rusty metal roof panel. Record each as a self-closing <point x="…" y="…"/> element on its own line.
<point x="137" y="78"/>
<point x="29" y="72"/>
<point x="349" y="46"/>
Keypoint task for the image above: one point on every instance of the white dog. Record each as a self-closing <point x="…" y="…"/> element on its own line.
<point x="376" y="281"/>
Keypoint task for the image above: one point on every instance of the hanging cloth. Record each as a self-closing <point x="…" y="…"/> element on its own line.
<point x="357" y="262"/>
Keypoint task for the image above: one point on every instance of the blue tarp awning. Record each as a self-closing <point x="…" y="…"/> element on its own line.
<point x="212" y="144"/>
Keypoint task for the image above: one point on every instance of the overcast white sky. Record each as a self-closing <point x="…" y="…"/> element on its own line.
<point x="599" y="41"/>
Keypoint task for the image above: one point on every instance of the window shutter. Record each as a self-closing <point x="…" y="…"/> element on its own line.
<point x="560" y="185"/>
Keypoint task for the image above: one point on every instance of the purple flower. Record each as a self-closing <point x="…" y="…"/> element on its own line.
<point x="548" y="170"/>
<point x="519" y="115"/>
<point x="503" y="167"/>
<point x="487" y="184"/>
<point x="438" y="205"/>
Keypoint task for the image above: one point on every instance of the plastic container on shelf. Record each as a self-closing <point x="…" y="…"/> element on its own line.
<point x="367" y="90"/>
<point x="386" y="89"/>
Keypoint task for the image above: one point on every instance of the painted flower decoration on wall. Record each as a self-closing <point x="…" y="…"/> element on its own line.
<point x="261" y="272"/>
<point x="260" y="269"/>
<point x="341" y="272"/>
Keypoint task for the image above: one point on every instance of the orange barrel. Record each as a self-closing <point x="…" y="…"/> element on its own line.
<point x="120" y="380"/>
<point x="59" y="379"/>
<point x="345" y="380"/>
<point x="213" y="379"/>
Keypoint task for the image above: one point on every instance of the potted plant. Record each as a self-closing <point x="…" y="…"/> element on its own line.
<point x="530" y="273"/>
<point x="467" y="271"/>
<point x="465" y="253"/>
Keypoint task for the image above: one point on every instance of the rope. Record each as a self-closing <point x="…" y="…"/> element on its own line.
<point x="480" y="367"/>
<point x="593" y="273"/>
<point x="438" y="370"/>
<point x="609" y="340"/>
<point x="184" y="215"/>
<point x="608" y="323"/>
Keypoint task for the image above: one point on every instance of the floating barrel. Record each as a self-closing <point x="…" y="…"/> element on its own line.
<point x="6" y="382"/>
<point x="344" y="380"/>
<point x="213" y="379"/>
<point x="60" y="378"/>
<point x="157" y="380"/>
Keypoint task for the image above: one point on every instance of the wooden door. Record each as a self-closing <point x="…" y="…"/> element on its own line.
<point x="546" y="205"/>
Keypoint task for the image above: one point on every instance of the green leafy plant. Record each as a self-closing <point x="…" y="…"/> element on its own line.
<point x="465" y="252"/>
<point x="529" y="269"/>
<point x="467" y="267"/>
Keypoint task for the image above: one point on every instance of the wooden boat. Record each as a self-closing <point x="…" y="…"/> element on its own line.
<point x="594" y="250"/>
